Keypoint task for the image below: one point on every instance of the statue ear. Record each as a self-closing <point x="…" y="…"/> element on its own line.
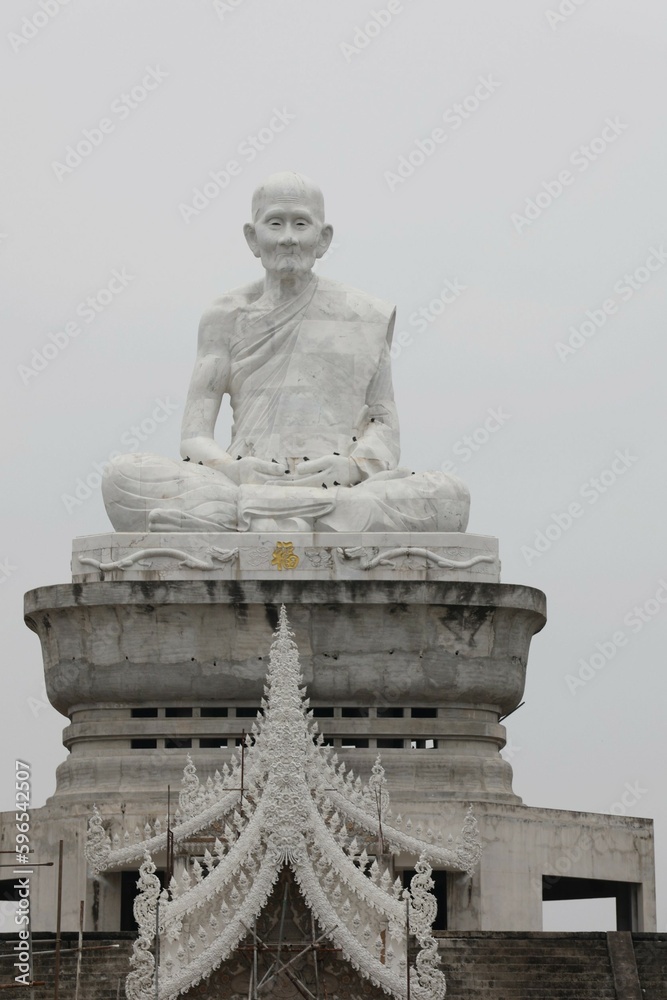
<point x="251" y="238"/>
<point x="324" y="243"/>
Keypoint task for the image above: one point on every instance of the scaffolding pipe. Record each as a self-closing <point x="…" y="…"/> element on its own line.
<point x="51" y="951"/>
<point x="254" y="956"/>
<point x="79" y="951"/>
<point x="284" y="970"/>
<point x="56" y="983"/>
<point x="407" y="946"/>
<point x="317" y="970"/>
<point x="157" y="946"/>
<point x="31" y="968"/>
<point x="242" y="768"/>
<point x="282" y="922"/>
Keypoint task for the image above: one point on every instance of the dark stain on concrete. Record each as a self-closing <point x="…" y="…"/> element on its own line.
<point x="239" y="601"/>
<point x="272" y="611"/>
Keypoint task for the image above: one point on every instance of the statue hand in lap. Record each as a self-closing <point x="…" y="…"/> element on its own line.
<point x="334" y="469"/>
<point x="315" y="441"/>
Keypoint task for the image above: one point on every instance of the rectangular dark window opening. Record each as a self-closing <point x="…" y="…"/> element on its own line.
<point x="354" y="713"/>
<point x="212" y="742"/>
<point x="390" y="744"/>
<point x="213" y="713"/>
<point x="128" y="890"/>
<point x="178" y="713"/>
<point x="323" y="713"/>
<point x="177" y="744"/>
<point x="440" y="893"/>
<point x="144" y="713"/>
<point x="143" y="744"/>
<point x="557" y="887"/>
<point x="348" y="741"/>
<point x="386" y="712"/>
<point x="424" y="713"/>
<point x="423" y="744"/>
<point x="246" y="713"/>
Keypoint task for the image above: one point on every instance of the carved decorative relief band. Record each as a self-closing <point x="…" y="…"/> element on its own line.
<point x="370" y="558"/>
<point x="141" y="556"/>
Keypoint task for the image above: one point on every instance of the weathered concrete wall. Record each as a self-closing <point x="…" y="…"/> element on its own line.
<point x="455" y="651"/>
<point x="461" y="648"/>
<point x="468" y="642"/>
<point x="521" y="844"/>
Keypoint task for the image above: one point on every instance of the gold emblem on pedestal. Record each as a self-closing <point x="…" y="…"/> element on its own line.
<point x="284" y="556"/>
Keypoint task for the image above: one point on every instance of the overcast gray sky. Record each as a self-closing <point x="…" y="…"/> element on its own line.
<point x="507" y="150"/>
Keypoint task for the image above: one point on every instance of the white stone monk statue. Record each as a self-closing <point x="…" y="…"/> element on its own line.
<point x="315" y="441"/>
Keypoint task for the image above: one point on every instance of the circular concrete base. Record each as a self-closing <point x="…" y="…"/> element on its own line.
<point x="419" y="671"/>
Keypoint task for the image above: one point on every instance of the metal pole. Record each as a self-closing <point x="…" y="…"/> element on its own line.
<point x="254" y="957"/>
<point x="282" y="923"/>
<point x="242" y="765"/>
<point x="33" y="864"/>
<point x="79" y="955"/>
<point x="252" y="982"/>
<point x="56" y="985"/>
<point x="378" y="802"/>
<point x="157" y="946"/>
<point x="30" y="962"/>
<point x="284" y="969"/>
<point x="170" y="841"/>
<point x="51" y="951"/>
<point x="407" y="945"/>
<point x="13" y="986"/>
<point x="317" y="971"/>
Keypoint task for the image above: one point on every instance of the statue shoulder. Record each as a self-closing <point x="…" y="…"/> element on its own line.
<point x="219" y="319"/>
<point x="231" y="302"/>
<point x="357" y="304"/>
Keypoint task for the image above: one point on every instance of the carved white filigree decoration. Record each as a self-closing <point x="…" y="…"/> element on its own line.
<point x="319" y="558"/>
<point x="370" y="558"/>
<point x="423" y="906"/>
<point x="423" y="910"/>
<point x="297" y="807"/>
<point x="469" y="844"/>
<point x="98" y="842"/>
<point x="144" y="556"/>
<point x="140" y="982"/>
<point x="257" y="558"/>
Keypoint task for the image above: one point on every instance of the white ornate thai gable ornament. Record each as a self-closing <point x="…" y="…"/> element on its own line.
<point x="299" y="808"/>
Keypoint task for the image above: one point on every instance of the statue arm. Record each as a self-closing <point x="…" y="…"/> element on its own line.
<point x="208" y="384"/>
<point x="377" y="447"/>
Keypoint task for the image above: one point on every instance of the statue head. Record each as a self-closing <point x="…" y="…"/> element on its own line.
<point x="288" y="231"/>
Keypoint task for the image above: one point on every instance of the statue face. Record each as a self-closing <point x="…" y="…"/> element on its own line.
<point x="288" y="236"/>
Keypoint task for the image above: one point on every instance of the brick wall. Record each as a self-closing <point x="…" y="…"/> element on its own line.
<point x="478" y="965"/>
